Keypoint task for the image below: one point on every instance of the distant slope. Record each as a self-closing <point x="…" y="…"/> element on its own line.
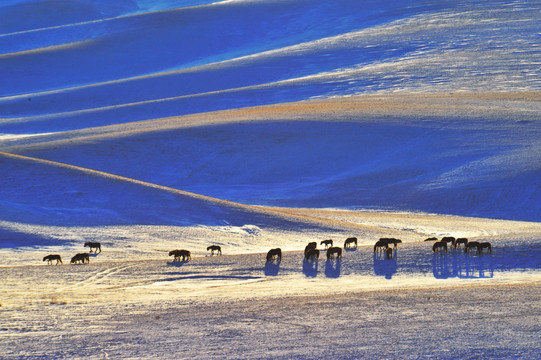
<point x="471" y="155"/>
<point x="42" y="192"/>
<point x="134" y="64"/>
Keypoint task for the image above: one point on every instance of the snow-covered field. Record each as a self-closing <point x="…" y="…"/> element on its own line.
<point x="158" y="125"/>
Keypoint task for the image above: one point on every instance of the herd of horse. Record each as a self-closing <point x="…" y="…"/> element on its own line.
<point x="469" y="246"/>
<point x="311" y="253"/>
<point x="80" y="258"/>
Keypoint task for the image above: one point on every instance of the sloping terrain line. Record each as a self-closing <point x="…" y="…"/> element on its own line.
<point x="389" y="108"/>
<point x="337" y="224"/>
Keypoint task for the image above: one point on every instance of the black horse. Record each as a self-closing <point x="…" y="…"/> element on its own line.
<point x="449" y="239"/>
<point x="460" y="241"/>
<point x="81" y="257"/>
<point x="312" y="254"/>
<point x="334" y="252"/>
<point x="389" y="253"/>
<point x="50" y="258"/>
<point x="274" y="254"/>
<point x="432" y="239"/>
<point x="350" y="241"/>
<point x="439" y="245"/>
<point x="327" y="243"/>
<point x="381" y="245"/>
<point x="390" y="241"/>
<point x="93" y="245"/>
<point x="309" y="247"/>
<point x="214" y="248"/>
<point x="184" y="254"/>
<point x="470" y="245"/>
<point x="484" y="245"/>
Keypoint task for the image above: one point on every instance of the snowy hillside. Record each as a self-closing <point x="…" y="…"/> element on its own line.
<point x="88" y="64"/>
<point x="153" y="125"/>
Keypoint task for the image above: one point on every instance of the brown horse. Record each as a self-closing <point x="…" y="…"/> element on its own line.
<point x="93" y="245"/>
<point x="327" y="243"/>
<point x="381" y="245"/>
<point x="432" y="239"/>
<point x="470" y="245"/>
<point x="350" y="241"/>
<point x="484" y="245"/>
<point x="439" y="245"/>
<point x="309" y="247"/>
<point x="184" y="254"/>
<point x="390" y="241"/>
<point x="81" y="257"/>
<point x="50" y="258"/>
<point x="449" y="239"/>
<point x="333" y="252"/>
<point x="274" y="254"/>
<point x="389" y="253"/>
<point x="312" y="254"/>
<point x="460" y="241"/>
<point x="214" y="248"/>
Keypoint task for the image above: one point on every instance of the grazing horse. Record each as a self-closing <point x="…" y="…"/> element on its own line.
<point x="389" y="253"/>
<point x="93" y="245"/>
<point x="460" y="241"/>
<point x="214" y="248"/>
<point x="332" y="251"/>
<point x="484" y="245"/>
<point x="470" y="245"/>
<point x="350" y="241"/>
<point x="439" y="245"/>
<point x="449" y="239"/>
<point x="327" y="243"/>
<point x="184" y="254"/>
<point x="381" y="245"/>
<point x="309" y="247"/>
<point x="274" y="254"/>
<point x="81" y="257"/>
<point x="390" y="241"/>
<point x="50" y="258"/>
<point x="312" y="254"/>
<point x="432" y="239"/>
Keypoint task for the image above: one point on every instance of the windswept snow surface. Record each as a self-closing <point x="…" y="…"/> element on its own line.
<point x="158" y="125"/>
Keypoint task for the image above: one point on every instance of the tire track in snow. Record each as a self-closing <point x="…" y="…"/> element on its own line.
<point x="98" y="277"/>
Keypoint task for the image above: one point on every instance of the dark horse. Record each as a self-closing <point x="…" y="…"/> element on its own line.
<point x="439" y="245"/>
<point x="472" y="244"/>
<point x="350" y="241"/>
<point x="309" y="247"/>
<point x="333" y="252"/>
<point x="484" y="245"/>
<point x="449" y="239"/>
<point x="327" y="243"/>
<point x="50" y="258"/>
<point x="460" y="241"/>
<point x="81" y="257"/>
<point x="312" y="254"/>
<point x="390" y="241"/>
<point x="381" y="245"/>
<point x="389" y="253"/>
<point x="432" y="239"/>
<point x="184" y="254"/>
<point x="274" y="254"/>
<point x="93" y="245"/>
<point x="214" y="248"/>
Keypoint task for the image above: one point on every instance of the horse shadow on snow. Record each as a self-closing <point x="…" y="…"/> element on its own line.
<point x="384" y="266"/>
<point x="310" y="268"/>
<point x="333" y="268"/>
<point x="272" y="268"/>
